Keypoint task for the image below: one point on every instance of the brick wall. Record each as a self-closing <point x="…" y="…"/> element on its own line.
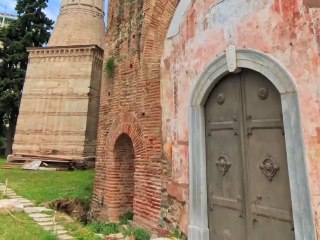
<point x="130" y="104"/>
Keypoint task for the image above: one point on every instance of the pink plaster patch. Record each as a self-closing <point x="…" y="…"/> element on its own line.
<point x="276" y="6"/>
<point x="286" y="7"/>
<point x="191" y="25"/>
<point x="178" y="191"/>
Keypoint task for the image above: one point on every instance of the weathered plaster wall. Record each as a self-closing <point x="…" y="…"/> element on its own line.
<point x="286" y="29"/>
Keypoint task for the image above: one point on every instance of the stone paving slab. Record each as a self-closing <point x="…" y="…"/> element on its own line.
<point x="42" y="219"/>
<point x="10" y="205"/>
<point x="61" y="232"/>
<point x="36" y="210"/>
<point x="11" y="194"/>
<point x="28" y="204"/>
<point x="54" y="229"/>
<point x="10" y="191"/>
<point x="65" y="237"/>
<point x="39" y="215"/>
<point x="23" y="200"/>
<point x="36" y="213"/>
<point x="46" y="223"/>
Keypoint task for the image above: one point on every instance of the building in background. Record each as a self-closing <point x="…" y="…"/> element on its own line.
<point x="6" y="18"/>
<point x="60" y="102"/>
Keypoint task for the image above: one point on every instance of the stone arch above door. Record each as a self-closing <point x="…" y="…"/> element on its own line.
<point x="297" y="163"/>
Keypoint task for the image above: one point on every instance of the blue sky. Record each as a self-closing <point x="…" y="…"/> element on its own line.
<point x="52" y="11"/>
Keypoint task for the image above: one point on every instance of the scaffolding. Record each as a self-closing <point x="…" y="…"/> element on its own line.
<point x="5" y="18"/>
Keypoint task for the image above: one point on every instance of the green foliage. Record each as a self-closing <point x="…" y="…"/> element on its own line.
<point x="104" y="228"/>
<point x="2" y="142"/>
<point x="76" y="229"/>
<point x="177" y="234"/>
<point x="126" y="217"/>
<point x="110" y="66"/>
<point x="138" y="233"/>
<point x="31" y="29"/>
<point x="11" y="229"/>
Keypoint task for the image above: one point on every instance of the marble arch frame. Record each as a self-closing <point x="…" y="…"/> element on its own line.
<point x="297" y="162"/>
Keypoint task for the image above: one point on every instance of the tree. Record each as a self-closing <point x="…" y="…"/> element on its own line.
<point x="31" y="29"/>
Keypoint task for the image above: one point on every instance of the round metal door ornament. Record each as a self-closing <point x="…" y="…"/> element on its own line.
<point x="269" y="168"/>
<point x="223" y="164"/>
<point x="263" y="93"/>
<point x="221" y="98"/>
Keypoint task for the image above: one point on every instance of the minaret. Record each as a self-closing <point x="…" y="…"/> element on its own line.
<point x="59" y="108"/>
<point x="80" y="22"/>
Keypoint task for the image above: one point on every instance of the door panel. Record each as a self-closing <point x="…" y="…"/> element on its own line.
<point x="224" y="165"/>
<point x="247" y="172"/>
<point x="266" y="159"/>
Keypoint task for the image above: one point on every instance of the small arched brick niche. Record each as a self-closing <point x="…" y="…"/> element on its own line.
<point x="123" y="176"/>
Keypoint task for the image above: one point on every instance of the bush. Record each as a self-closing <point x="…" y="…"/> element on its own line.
<point x="177" y="234"/>
<point x="104" y="228"/>
<point x="138" y="233"/>
<point x="110" y="66"/>
<point x="126" y="217"/>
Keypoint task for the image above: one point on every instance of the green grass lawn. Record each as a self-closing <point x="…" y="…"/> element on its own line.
<point x="12" y="229"/>
<point x="42" y="187"/>
<point x="45" y="186"/>
<point x="76" y="229"/>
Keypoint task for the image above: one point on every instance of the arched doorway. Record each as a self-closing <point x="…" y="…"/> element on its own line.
<point x="247" y="171"/>
<point x="123" y="175"/>
<point x="268" y="67"/>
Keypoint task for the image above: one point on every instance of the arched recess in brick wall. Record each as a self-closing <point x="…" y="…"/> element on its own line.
<point x="124" y="145"/>
<point x="121" y="172"/>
